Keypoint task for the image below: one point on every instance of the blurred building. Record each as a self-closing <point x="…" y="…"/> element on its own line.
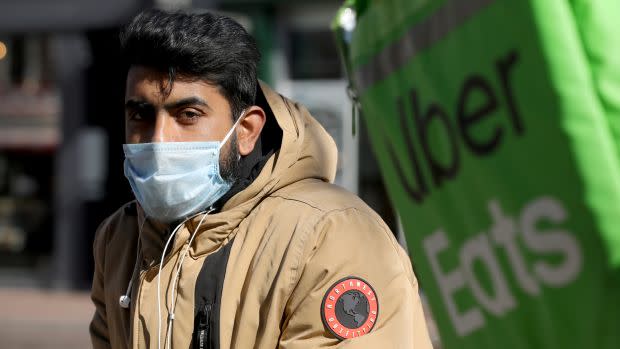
<point x="61" y="119"/>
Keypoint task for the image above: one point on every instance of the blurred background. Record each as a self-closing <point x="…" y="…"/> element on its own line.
<point x="61" y="131"/>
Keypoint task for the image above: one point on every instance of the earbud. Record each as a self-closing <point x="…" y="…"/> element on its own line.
<point x="124" y="301"/>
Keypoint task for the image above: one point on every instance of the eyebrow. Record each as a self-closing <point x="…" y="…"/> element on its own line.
<point x="135" y="104"/>
<point x="187" y="101"/>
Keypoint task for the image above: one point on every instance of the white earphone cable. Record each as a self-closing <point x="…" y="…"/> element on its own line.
<point x="161" y="263"/>
<point x="125" y="300"/>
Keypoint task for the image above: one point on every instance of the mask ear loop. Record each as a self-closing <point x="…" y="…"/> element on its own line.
<point x="175" y="281"/>
<point x="232" y="129"/>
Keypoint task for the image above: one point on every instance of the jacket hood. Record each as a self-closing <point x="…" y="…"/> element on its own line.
<point x="306" y="151"/>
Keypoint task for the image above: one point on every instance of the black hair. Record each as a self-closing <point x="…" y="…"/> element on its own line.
<point x="204" y="46"/>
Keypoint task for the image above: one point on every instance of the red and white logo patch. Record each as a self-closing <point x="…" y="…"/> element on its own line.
<point x="350" y="308"/>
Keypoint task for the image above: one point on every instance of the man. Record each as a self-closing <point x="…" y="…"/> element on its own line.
<point x="236" y="238"/>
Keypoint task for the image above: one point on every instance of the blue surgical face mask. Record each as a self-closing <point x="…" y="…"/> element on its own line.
<point x="174" y="180"/>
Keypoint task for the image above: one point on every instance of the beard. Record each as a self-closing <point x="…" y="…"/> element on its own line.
<point x="230" y="163"/>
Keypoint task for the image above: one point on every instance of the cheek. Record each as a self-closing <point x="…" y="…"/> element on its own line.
<point x="138" y="132"/>
<point x="204" y="130"/>
<point x="130" y="134"/>
<point x="132" y="138"/>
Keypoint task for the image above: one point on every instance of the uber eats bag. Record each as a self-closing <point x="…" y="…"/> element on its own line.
<point x="496" y="124"/>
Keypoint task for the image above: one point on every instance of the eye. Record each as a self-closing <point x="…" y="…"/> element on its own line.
<point x="189" y="115"/>
<point x="135" y="116"/>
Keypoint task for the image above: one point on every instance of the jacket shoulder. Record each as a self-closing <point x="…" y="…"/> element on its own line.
<point x="110" y="225"/>
<point x="336" y="217"/>
<point x="329" y="209"/>
<point x="324" y="197"/>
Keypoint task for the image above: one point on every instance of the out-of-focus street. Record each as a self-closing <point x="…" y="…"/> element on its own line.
<point x="32" y="318"/>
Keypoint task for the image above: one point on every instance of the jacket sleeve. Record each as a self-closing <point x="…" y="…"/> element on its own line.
<point x="99" y="326"/>
<point x="358" y="244"/>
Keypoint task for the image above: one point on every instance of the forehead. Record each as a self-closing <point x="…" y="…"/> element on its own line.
<point x="151" y="85"/>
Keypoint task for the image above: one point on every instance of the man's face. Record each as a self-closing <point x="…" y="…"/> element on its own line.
<point x="192" y="111"/>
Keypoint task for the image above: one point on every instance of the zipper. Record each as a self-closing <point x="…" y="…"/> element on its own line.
<point x="202" y="334"/>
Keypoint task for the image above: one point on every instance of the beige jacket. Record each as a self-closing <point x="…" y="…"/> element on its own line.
<point x="293" y="236"/>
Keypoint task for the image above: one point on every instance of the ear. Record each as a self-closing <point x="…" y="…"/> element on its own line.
<point x="250" y="128"/>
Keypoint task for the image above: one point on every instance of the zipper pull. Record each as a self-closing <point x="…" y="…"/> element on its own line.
<point x="202" y="338"/>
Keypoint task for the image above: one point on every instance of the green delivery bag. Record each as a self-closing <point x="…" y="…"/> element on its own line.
<point x="496" y="124"/>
